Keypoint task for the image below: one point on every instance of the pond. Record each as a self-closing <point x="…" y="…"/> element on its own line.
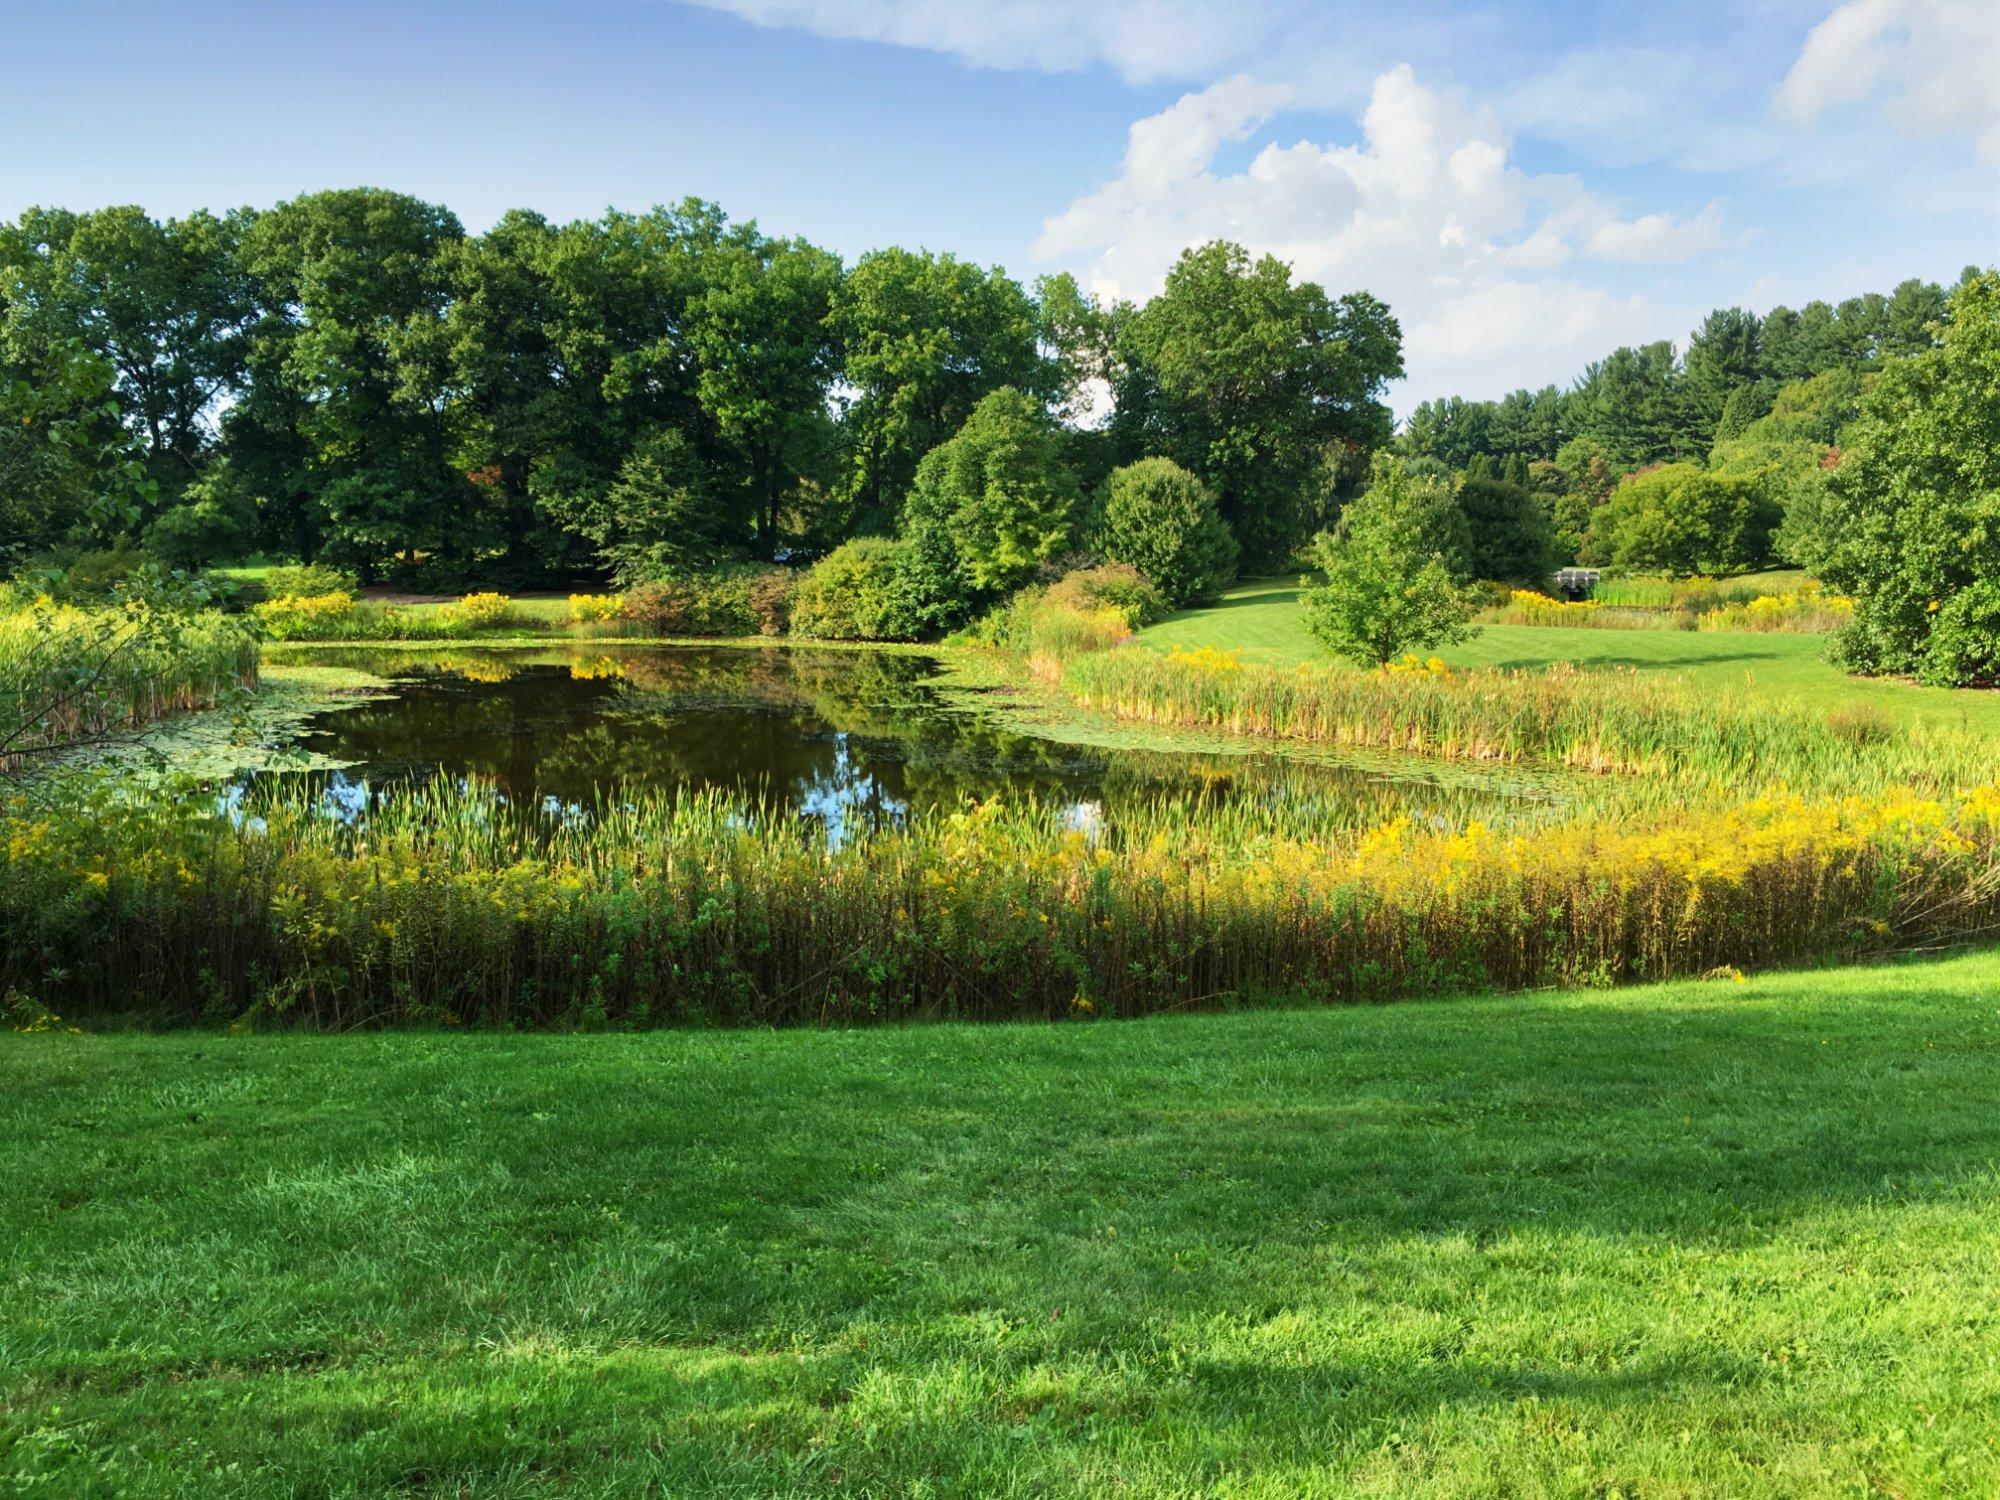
<point x="854" y="739"/>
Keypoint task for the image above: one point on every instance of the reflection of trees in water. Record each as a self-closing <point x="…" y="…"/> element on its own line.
<point x="846" y="736"/>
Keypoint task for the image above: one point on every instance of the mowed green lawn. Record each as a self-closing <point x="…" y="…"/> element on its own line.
<point x="1262" y="620"/>
<point x="1714" y="1238"/>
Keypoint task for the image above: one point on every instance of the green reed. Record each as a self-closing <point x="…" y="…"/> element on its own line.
<point x="69" y="675"/>
<point x="1628" y="723"/>
<point x="449" y="905"/>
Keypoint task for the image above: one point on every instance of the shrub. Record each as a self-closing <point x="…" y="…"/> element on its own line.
<point x="1684" y="519"/>
<point x="733" y="602"/>
<point x="321" y="617"/>
<point x="997" y="494"/>
<point x="695" y="604"/>
<point x="92" y="577"/>
<point x="596" y="609"/>
<point x="770" y="598"/>
<point x="1162" y="520"/>
<point x="307" y="581"/>
<point x="1911" y="516"/>
<point x="1118" y="586"/>
<point x="1964" y="645"/>
<point x="1512" y="536"/>
<point x="484" y="611"/>
<point x="864" y="590"/>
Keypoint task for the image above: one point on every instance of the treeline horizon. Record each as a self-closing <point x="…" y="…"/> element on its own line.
<point x="1663" y="402"/>
<point x="352" y="376"/>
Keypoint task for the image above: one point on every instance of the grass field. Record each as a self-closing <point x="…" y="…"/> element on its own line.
<point x="1715" y="1238"/>
<point x="1262" y="621"/>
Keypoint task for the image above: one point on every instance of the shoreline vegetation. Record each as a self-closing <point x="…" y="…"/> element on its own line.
<point x="1773" y="835"/>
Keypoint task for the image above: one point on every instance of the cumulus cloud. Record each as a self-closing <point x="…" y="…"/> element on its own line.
<point x="1427" y="211"/>
<point x="1933" y="65"/>
<point x="1659" y="238"/>
<point x="1142" y="39"/>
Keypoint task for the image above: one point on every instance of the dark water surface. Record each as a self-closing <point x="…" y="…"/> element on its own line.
<point x="852" y="738"/>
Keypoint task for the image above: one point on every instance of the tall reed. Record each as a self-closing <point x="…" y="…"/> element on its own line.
<point x="69" y="675"/>
<point x="449" y="905"/>
<point x="1617" y="722"/>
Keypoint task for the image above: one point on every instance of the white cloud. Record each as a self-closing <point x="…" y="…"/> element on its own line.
<point x="1659" y="238"/>
<point x="1507" y="333"/>
<point x="1933" y="65"/>
<point x="1142" y="39"/>
<point x="1427" y="211"/>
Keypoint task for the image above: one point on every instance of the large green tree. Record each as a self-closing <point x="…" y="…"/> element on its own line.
<point x="925" y="338"/>
<point x="1244" y="377"/>
<point x="353" y="286"/>
<point x="766" y="352"/>
<point x="70" y="471"/>
<point x="1912" y="517"/>
<point x="166" y="304"/>
<point x="997" y="498"/>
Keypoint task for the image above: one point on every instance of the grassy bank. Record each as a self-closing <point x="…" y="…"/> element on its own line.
<point x="1263" y="623"/>
<point x="1700" y="1239"/>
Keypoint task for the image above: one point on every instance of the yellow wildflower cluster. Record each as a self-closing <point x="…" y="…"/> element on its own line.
<point x="1416" y="666"/>
<point x="596" y="609"/>
<point x="1527" y="607"/>
<point x="482" y="611"/>
<point x="1209" y="660"/>
<point x="305" y="617"/>
<point x="1806" y="608"/>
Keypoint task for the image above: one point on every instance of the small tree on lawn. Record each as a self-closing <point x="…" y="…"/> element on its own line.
<point x="1388" y="589"/>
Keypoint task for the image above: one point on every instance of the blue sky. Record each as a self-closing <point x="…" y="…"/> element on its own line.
<point x="1527" y="184"/>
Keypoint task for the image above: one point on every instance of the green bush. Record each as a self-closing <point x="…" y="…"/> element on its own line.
<point x="746" y="601"/>
<point x="864" y="590"/>
<point x="997" y="496"/>
<point x="307" y="581"/>
<point x="1964" y="646"/>
<point x="1911" y="515"/>
<point x="1162" y="520"/>
<point x="1513" y="538"/>
<point x="1118" y="586"/>
<point x="1686" y="520"/>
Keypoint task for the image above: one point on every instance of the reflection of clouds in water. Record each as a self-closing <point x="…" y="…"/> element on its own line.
<point x="844" y="793"/>
<point x="1086" y="818"/>
<point x="346" y="797"/>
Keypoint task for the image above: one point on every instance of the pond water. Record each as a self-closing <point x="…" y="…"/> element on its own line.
<point x="854" y="739"/>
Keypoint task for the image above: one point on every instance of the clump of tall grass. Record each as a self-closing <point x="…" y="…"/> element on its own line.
<point x="1805" y="610"/>
<point x="1620" y="722"/>
<point x="1526" y="607"/>
<point x="70" y="675"/>
<point x="1048" y="627"/>
<point x="449" y="904"/>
